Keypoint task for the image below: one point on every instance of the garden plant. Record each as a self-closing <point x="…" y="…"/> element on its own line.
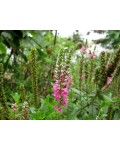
<point x="43" y="78"/>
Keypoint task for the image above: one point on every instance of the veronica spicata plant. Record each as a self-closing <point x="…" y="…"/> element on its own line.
<point x="62" y="78"/>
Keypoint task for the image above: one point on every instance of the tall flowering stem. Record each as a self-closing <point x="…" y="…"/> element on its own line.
<point x="63" y="79"/>
<point x="22" y="90"/>
<point x="91" y="71"/>
<point x="103" y="74"/>
<point x="4" y="113"/>
<point x="92" y="55"/>
<point x="34" y="76"/>
<point x="113" y="64"/>
<point x="110" y="113"/>
<point x="112" y="69"/>
<point x="82" y="74"/>
<point x="97" y="76"/>
<point x="107" y="57"/>
<point x="116" y="72"/>
<point x="25" y="108"/>
<point x="86" y="72"/>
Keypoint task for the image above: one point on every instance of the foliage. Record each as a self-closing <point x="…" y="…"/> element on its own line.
<point x="112" y="39"/>
<point x="28" y="66"/>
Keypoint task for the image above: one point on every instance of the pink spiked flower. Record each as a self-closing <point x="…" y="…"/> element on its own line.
<point x="60" y="91"/>
<point x="62" y="81"/>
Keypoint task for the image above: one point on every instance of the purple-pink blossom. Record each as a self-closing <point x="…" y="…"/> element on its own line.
<point x="64" y="91"/>
<point x="60" y="91"/>
<point x="59" y="109"/>
<point x="84" y="50"/>
<point x="92" y="55"/>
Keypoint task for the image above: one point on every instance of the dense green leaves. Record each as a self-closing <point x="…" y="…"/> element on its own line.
<point x="2" y="48"/>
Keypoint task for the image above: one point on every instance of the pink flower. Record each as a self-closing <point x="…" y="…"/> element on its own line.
<point x="109" y="80"/>
<point x="62" y="77"/>
<point x="55" y="76"/>
<point x="84" y="50"/>
<point x="56" y="107"/>
<point x="92" y="55"/>
<point x="56" y="93"/>
<point x="59" y="109"/>
<point x="69" y="81"/>
<point x="64" y="102"/>
<point x="64" y="91"/>
<point x="60" y="90"/>
<point x="56" y="86"/>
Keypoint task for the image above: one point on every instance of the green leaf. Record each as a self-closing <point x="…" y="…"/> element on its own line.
<point x="2" y="48"/>
<point x="41" y="53"/>
<point x="117" y="34"/>
<point x="16" y="97"/>
<point x="76" y="91"/>
<point x="32" y="109"/>
<point x="107" y="98"/>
